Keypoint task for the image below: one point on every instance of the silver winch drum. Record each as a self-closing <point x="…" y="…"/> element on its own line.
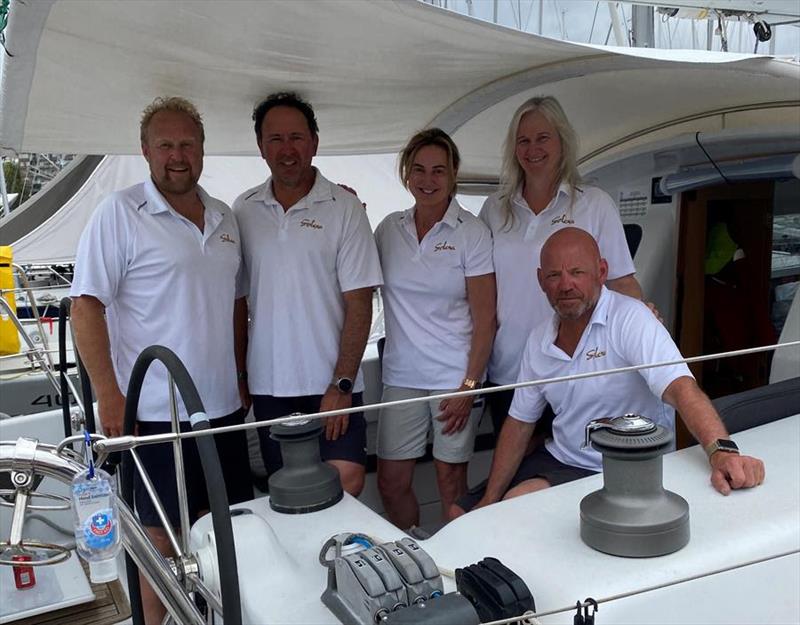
<point x="633" y="515"/>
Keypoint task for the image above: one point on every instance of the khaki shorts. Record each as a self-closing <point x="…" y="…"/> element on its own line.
<point x="403" y="430"/>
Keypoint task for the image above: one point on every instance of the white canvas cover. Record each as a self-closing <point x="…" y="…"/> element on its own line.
<point x="376" y="72"/>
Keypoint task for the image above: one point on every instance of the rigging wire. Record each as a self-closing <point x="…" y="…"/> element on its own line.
<point x="561" y="17"/>
<point x="710" y="160"/>
<point x="527" y="19"/>
<point x="517" y="19"/>
<point x="594" y="19"/>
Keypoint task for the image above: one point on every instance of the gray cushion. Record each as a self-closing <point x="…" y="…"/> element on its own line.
<point x="742" y="411"/>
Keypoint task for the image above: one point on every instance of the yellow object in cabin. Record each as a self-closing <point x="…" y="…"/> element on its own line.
<point x="9" y="337"/>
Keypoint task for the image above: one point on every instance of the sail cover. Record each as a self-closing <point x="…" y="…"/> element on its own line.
<point x="82" y="71"/>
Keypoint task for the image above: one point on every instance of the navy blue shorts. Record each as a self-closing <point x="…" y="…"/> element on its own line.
<point x="500" y="403"/>
<point x="352" y="446"/>
<point x="539" y="463"/>
<point x="158" y="460"/>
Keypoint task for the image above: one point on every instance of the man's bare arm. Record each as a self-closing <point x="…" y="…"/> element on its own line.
<point x="91" y="335"/>
<point x="353" y="340"/>
<point x="240" y="338"/>
<point x="627" y="285"/>
<point x="355" y="331"/>
<point x="728" y="470"/>
<point x="511" y="446"/>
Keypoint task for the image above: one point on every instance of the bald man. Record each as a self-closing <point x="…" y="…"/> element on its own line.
<point x="594" y="329"/>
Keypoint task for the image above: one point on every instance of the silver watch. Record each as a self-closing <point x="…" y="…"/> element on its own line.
<point x="343" y="385"/>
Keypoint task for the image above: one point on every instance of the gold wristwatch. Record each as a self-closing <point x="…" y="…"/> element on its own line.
<point x="470" y="383"/>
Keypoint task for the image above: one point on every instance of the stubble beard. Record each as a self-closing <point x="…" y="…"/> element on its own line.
<point x="573" y="313"/>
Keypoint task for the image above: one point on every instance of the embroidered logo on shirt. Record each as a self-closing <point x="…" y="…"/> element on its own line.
<point x="562" y="219"/>
<point x="595" y="353"/>
<point x="311" y="223"/>
<point x="444" y="245"/>
<point x="226" y="238"/>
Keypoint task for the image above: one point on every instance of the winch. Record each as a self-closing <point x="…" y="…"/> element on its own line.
<point x="304" y="483"/>
<point x="632" y="515"/>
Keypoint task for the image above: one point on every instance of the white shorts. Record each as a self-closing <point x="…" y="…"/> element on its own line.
<point x="403" y="430"/>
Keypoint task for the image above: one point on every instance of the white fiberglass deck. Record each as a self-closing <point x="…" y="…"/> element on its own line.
<point x="754" y="533"/>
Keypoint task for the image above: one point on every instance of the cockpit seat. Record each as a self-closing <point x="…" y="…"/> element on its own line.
<point x="765" y="404"/>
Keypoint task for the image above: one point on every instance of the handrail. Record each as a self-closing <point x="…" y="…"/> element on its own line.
<point x="23" y="278"/>
<point x="47" y="462"/>
<point x="85" y="401"/>
<point x="46" y="366"/>
<point x="121" y="443"/>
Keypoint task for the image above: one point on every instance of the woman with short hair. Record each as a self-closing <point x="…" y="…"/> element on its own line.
<point x="439" y="306"/>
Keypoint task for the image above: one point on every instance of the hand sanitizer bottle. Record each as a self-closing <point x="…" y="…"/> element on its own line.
<point x="96" y="520"/>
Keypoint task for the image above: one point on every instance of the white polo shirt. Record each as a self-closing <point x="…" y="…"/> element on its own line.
<point x="164" y="282"/>
<point x="621" y="333"/>
<point x="297" y="264"/>
<point x="426" y="312"/>
<point x="521" y="304"/>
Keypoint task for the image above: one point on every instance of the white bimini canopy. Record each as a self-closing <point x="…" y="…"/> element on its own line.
<point x="376" y="72"/>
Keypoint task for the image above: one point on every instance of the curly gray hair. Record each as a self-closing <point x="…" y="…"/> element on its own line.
<point x="170" y="103"/>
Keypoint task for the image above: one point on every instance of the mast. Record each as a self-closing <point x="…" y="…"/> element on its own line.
<point x="619" y="33"/>
<point x="642" y="27"/>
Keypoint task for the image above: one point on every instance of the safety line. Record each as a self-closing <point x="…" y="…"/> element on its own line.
<point x="126" y="442"/>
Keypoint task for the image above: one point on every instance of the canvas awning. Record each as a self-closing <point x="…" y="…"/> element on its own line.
<point x="375" y="71"/>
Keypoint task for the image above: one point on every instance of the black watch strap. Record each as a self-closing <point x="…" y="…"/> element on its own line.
<point x="721" y="444"/>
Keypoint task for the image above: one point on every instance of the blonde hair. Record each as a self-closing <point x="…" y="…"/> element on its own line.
<point x="430" y="136"/>
<point x="171" y="103"/>
<point x="512" y="175"/>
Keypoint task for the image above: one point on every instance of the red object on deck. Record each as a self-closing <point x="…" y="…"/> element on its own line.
<point x="23" y="575"/>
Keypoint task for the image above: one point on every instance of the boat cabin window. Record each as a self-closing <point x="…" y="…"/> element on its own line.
<point x="785" y="269"/>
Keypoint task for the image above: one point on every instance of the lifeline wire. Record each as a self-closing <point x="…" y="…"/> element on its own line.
<point x="632" y="593"/>
<point x="526" y="619"/>
<point x="122" y="443"/>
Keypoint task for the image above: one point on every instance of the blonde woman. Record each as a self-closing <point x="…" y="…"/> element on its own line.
<point x="439" y="306"/>
<point x="540" y="193"/>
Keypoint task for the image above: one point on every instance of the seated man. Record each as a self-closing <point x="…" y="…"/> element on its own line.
<point x="596" y="329"/>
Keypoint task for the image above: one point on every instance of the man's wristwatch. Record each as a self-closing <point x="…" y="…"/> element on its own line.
<point x="722" y="444"/>
<point x="470" y="383"/>
<point x="241" y="376"/>
<point x="343" y="385"/>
